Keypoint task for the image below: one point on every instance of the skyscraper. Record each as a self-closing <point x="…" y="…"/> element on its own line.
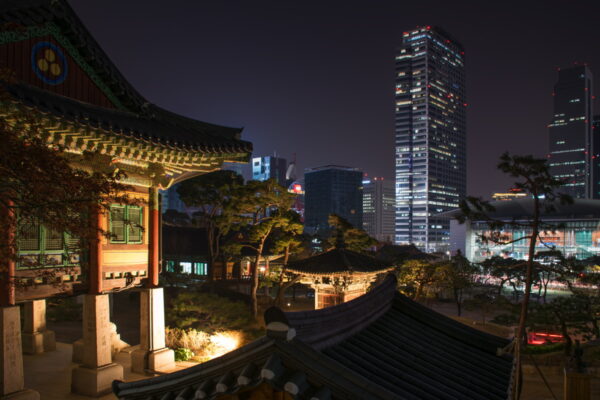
<point x="596" y="158"/>
<point x="332" y="189"/>
<point x="268" y="167"/>
<point x="379" y="208"/>
<point x="431" y="134"/>
<point x="570" y="132"/>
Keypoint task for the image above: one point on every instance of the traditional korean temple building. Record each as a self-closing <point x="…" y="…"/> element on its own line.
<point x="379" y="346"/>
<point x="64" y="79"/>
<point x="338" y="275"/>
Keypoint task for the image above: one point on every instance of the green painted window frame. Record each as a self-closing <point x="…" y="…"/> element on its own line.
<point x="127" y="223"/>
<point x="42" y="251"/>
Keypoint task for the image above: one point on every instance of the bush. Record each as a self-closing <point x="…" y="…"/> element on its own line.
<point x="183" y="354"/>
<point x="546" y="348"/>
<point x="205" y="346"/>
<point x="207" y="312"/>
<point x="64" y="309"/>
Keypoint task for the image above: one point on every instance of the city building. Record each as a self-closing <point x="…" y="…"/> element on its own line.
<point x="596" y="158"/>
<point x="67" y="85"/>
<point x="576" y="232"/>
<point x="332" y="189"/>
<point x="570" y="132"/>
<point x="430" y="132"/>
<point x="170" y="200"/>
<point x="267" y="167"/>
<point x="379" y="208"/>
<point x="512" y="194"/>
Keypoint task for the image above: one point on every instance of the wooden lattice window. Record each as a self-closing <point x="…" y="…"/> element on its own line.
<point x="39" y="246"/>
<point x="126" y="224"/>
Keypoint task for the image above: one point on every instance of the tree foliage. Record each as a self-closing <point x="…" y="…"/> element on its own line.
<point x="214" y="195"/>
<point x="261" y="208"/>
<point x="531" y="176"/>
<point x="355" y="239"/>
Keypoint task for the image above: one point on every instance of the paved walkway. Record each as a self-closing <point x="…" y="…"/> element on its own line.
<point x="50" y="373"/>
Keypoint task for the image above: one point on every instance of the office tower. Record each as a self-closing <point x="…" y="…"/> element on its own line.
<point x="430" y="136"/>
<point x="379" y="208"/>
<point x="596" y="158"/>
<point x="268" y="167"/>
<point x="570" y="132"/>
<point x="332" y="189"/>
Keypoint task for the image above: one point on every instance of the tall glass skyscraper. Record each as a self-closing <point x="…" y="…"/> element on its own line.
<point x="431" y="133"/>
<point x="570" y="132"/>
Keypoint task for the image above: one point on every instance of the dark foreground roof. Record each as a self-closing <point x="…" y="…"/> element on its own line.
<point x="379" y="346"/>
<point x="523" y="209"/>
<point x="338" y="261"/>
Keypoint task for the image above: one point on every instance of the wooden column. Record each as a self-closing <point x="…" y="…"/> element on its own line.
<point x="153" y="238"/>
<point x="95" y="264"/>
<point x="7" y="264"/>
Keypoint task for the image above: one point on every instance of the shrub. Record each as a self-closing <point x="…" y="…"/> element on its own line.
<point x="203" y="345"/>
<point x="183" y="354"/>
<point x="64" y="309"/>
<point x="546" y="348"/>
<point x="207" y="312"/>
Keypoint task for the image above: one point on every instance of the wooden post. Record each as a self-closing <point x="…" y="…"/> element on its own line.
<point x="577" y="386"/>
<point x="153" y="238"/>
<point x="95" y="266"/>
<point x="7" y="266"/>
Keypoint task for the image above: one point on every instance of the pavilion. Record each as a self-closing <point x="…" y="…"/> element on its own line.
<point x="338" y="275"/>
<point x="66" y="81"/>
<point x="379" y="346"/>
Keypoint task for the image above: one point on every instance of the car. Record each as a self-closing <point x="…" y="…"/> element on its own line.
<point x="541" y="338"/>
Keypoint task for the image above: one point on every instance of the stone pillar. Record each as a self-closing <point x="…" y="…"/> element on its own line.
<point x="12" y="385"/>
<point x="97" y="372"/>
<point x="36" y="338"/>
<point x="153" y="355"/>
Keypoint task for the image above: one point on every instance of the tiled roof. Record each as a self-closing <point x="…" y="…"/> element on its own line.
<point x="338" y="261"/>
<point x="138" y="118"/>
<point x="155" y="126"/>
<point x="379" y="346"/>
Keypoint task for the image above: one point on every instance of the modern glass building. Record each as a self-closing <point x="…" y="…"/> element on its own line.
<point x="332" y="189"/>
<point x="430" y="130"/>
<point x="575" y="232"/>
<point x="264" y="168"/>
<point x="570" y="132"/>
<point x="379" y="208"/>
<point x="596" y="158"/>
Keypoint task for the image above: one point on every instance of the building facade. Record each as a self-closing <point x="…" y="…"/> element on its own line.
<point x="576" y="231"/>
<point x="570" y="132"/>
<point x="379" y="208"/>
<point x="267" y="167"/>
<point x="430" y="133"/>
<point x="332" y="189"/>
<point x="596" y="158"/>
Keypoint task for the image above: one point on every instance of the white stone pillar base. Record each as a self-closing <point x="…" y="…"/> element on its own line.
<point x="36" y="338"/>
<point x="148" y="362"/>
<point x="95" y="382"/>
<point x="153" y="355"/>
<point x="38" y="342"/>
<point x="25" y="394"/>
<point x="12" y="385"/>
<point x="95" y="376"/>
<point x="77" y="356"/>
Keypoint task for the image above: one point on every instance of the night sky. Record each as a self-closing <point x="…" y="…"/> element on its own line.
<point x="317" y="78"/>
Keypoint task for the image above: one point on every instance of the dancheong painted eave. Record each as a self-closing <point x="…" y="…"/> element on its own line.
<point x="379" y="346"/>
<point x="85" y="103"/>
